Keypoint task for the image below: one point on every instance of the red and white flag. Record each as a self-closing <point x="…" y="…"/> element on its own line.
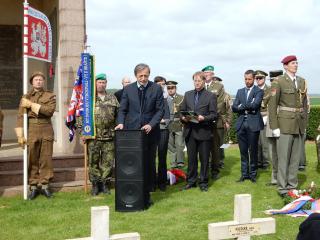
<point x="38" y="38"/>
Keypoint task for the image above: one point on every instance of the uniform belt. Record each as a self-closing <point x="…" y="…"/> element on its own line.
<point x="39" y="120"/>
<point x="263" y="114"/>
<point x="176" y="119"/>
<point x="289" y="109"/>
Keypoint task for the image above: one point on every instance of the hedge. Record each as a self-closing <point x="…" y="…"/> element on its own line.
<point x="313" y="123"/>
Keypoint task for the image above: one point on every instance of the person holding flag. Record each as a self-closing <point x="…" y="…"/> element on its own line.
<point x="101" y="147"/>
<point x="40" y="106"/>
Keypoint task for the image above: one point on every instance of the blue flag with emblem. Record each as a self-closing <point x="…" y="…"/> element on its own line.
<point x="88" y="93"/>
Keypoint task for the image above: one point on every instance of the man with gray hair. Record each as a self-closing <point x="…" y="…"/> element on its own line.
<point x="142" y="107"/>
<point x="125" y="81"/>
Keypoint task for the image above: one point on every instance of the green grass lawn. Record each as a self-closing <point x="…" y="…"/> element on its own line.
<point x="175" y="214"/>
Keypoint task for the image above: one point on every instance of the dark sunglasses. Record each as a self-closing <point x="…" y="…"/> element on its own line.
<point x="259" y="78"/>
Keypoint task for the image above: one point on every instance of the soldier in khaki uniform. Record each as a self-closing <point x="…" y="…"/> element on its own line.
<point x="40" y="106"/>
<point x="263" y="144"/>
<point x="287" y="121"/>
<point x="273" y="140"/>
<point x="1" y="125"/>
<point x="101" y="149"/>
<point x="176" y="140"/>
<point x="222" y="122"/>
<point x="303" y="159"/>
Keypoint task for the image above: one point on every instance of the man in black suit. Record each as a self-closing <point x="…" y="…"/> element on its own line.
<point x="249" y="123"/>
<point x="125" y="81"/>
<point x="164" y="139"/>
<point x="142" y="108"/>
<point x="198" y="130"/>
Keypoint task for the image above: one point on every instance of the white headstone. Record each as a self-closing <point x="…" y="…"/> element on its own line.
<point x="100" y="227"/>
<point x="243" y="226"/>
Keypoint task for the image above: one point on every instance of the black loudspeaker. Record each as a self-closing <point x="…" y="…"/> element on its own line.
<point x="131" y="189"/>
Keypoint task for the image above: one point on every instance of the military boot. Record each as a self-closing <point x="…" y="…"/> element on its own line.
<point x="105" y="187"/>
<point x="34" y="192"/>
<point x="95" y="188"/>
<point x="46" y="192"/>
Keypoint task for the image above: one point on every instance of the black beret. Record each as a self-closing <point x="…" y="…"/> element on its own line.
<point x="275" y="73"/>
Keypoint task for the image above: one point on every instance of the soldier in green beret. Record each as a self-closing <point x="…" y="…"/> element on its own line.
<point x="223" y="121"/>
<point x="263" y="144"/>
<point x="287" y="121"/>
<point x="176" y="140"/>
<point x="101" y="149"/>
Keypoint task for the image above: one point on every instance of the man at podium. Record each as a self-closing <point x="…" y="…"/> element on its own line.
<point x="142" y="107"/>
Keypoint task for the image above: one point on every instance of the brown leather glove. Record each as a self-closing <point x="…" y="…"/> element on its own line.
<point x="25" y="103"/>
<point x="21" y="140"/>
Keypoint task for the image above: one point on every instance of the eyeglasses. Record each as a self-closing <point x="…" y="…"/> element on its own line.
<point x="259" y="78"/>
<point x="171" y="88"/>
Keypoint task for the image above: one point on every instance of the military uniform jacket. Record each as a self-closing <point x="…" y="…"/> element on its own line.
<point x="175" y="125"/>
<point x="105" y="114"/>
<point x="286" y="105"/>
<point x="46" y="99"/>
<point x="266" y="97"/>
<point x="223" y="104"/>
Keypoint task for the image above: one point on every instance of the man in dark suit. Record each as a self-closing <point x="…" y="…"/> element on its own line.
<point x="125" y="81"/>
<point x="198" y="130"/>
<point x="249" y="123"/>
<point x="142" y="108"/>
<point x="163" y="140"/>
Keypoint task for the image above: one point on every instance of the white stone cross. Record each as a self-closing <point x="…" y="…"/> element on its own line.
<point x="243" y="226"/>
<point x="100" y="227"/>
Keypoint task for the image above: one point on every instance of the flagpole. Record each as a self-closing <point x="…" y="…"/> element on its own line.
<point x="25" y="90"/>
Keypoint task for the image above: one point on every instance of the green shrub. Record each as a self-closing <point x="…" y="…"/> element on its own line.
<point x="313" y="122"/>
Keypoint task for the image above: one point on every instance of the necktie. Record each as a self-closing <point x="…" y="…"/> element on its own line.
<point x="141" y="94"/>
<point x="247" y="93"/>
<point x="294" y="83"/>
<point x="196" y="99"/>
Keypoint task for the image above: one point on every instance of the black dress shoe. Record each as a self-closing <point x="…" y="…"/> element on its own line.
<point x="33" y="194"/>
<point x="241" y="179"/>
<point x="204" y="188"/>
<point x="253" y="180"/>
<point x="189" y="186"/>
<point x="215" y="176"/>
<point x="47" y="193"/>
<point x="162" y="188"/>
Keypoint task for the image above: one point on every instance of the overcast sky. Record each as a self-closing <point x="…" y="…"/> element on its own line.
<point x="179" y="37"/>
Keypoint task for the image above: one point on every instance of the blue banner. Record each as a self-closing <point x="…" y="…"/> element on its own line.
<point x="88" y="93"/>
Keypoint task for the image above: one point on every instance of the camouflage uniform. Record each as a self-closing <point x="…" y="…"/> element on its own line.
<point x="101" y="149"/>
<point x="40" y="137"/>
<point x="263" y="145"/>
<point x="176" y="140"/>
